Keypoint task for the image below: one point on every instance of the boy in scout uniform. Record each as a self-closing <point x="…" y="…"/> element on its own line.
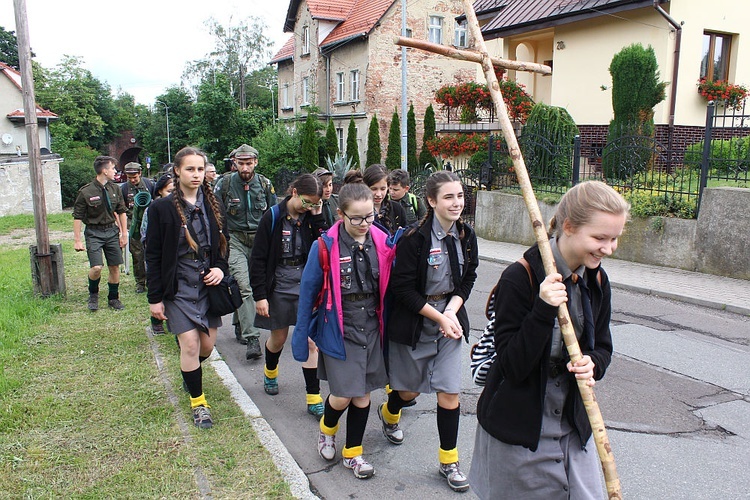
<point x="130" y="188"/>
<point x="101" y="207"/>
<point x="246" y="195"/>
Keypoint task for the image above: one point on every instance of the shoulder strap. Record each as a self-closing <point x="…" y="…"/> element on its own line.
<point x="526" y="265"/>
<point x="325" y="265"/>
<point x="414" y="202"/>
<point x="274" y="215"/>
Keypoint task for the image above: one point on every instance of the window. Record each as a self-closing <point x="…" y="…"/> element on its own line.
<point x="306" y="90"/>
<point x="459" y="39"/>
<point x="715" y="56"/>
<point x="285" y="100"/>
<point x="305" y="40"/>
<point x="409" y="33"/>
<point x="435" y="31"/>
<point x="354" y="85"/>
<point x="340" y="87"/>
<point x="340" y="137"/>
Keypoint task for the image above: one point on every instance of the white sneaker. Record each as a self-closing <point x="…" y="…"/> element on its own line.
<point x="361" y="468"/>
<point x="456" y="479"/>
<point x="327" y="446"/>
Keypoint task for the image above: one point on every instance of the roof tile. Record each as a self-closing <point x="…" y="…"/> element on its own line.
<point x="363" y="17"/>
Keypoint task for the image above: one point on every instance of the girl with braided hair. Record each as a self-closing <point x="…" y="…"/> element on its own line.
<point x="389" y="214"/>
<point x="432" y="278"/>
<point x="187" y="252"/>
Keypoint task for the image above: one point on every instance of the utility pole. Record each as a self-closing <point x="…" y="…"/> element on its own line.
<point x="404" y="131"/>
<point x="43" y="257"/>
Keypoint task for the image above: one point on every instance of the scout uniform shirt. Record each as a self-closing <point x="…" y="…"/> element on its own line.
<point x="246" y="203"/>
<point x="96" y="205"/>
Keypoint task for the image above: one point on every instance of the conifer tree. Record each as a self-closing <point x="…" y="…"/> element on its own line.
<point x="411" y="140"/>
<point x="352" y="149"/>
<point x="310" y="143"/>
<point x="425" y="156"/>
<point x="393" y="156"/>
<point x="374" y="154"/>
<point x="332" y="142"/>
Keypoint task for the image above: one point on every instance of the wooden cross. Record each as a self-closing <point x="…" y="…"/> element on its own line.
<point x="482" y="56"/>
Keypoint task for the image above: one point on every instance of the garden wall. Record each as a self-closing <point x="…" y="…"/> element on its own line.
<point x="717" y="243"/>
<point x="15" y="186"/>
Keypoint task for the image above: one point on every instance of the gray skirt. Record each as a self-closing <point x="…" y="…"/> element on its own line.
<point x="363" y="370"/>
<point x="558" y="469"/>
<point x="189" y="309"/>
<point x="282" y="311"/>
<point x="435" y="364"/>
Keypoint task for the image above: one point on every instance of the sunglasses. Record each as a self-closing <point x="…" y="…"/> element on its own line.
<point x="308" y="204"/>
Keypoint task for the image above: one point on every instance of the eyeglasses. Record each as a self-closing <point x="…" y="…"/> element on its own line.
<point x="308" y="204"/>
<point x="358" y="221"/>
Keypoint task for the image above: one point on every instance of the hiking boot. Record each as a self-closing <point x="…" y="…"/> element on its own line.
<point x="115" y="304"/>
<point x="456" y="479"/>
<point x="253" y="348"/>
<point x="392" y="432"/>
<point x="238" y="335"/>
<point x="93" y="302"/>
<point x="409" y="403"/>
<point x="327" y="446"/>
<point x="270" y="385"/>
<point x="158" y="329"/>
<point x="361" y="468"/>
<point x="202" y="417"/>
<point x="140" y="288"/>
<point x="316" y="410"/>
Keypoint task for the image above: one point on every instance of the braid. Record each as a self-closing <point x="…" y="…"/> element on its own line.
<point x="217" y="215"/>
<point x="385" y="206"/>
<point x="179" y="203"/>
<point x="422" y="222"/>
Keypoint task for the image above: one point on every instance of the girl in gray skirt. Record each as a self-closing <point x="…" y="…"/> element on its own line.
<point x="283" y="240"/>
<point x="185" y="254"/>
<point x="534" y="438"/>
<point x="351" y="267"/>
<point x="433" y="276"/>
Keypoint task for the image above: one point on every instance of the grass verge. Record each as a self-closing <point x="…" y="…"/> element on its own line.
<point x="84" y="412"/>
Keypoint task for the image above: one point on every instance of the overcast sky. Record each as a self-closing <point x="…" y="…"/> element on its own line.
<point x="140" y="46"/>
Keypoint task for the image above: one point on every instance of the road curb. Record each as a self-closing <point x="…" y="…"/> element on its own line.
<point x="293" y="474"/>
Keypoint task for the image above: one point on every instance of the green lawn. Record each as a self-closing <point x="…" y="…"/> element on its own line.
<point x="84" y="412"/>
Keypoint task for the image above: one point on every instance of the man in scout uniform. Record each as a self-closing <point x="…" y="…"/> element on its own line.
<point x="130" y="188"/>
<point x="101" y="207"/>
<point x="246" y="195"/>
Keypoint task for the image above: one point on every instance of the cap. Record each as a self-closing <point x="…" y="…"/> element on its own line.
<point x="320" y="172"/>
<point x="132" y="168"/>
<point x="244" y="151"/>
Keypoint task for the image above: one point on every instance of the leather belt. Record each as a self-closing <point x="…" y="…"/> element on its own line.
<point x="356" y="297"/>
<point x="293" y="262"/>
<point x="437" y="298"/>
<point x="102" y="226"/>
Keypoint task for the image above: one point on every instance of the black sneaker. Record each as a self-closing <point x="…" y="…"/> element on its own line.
<point x="93" y="302"/>
<point x="202" y="417"/>
<point x="253" y="348"/>
<point x="238" y="335"/>
<point x="116" y="304"/>
<point x="157" y="329"/>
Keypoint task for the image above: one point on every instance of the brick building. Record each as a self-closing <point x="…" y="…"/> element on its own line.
<point x="341" y="59"/>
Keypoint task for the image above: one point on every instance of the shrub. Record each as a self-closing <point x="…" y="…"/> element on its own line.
<point x="76" y="170"/>
<point x="726" y="156"/>
<point x="547" y="144"/>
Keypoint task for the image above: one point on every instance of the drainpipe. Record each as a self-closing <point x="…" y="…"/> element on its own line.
<point x="675" y="68"/>
<point x="328" y="85"/>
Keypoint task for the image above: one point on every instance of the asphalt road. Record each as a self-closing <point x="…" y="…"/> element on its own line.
<point x="675" y="399"/>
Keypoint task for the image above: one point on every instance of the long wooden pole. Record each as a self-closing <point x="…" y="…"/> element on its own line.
<point x="44" y="258"/>
<point x="469" y="55"/>
<point x="587" y="393"/>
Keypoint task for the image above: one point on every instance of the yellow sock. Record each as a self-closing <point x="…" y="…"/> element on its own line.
<point x="388" y="389"/>
<point x="313" y="399"/>
<point x="271" y="373"/>
<point x="351" y="452"/>
<point x="328" y="431"/>
<point x="199" y="401"/>
<point x="448" y="456"/>
<point x="389" y="417"/>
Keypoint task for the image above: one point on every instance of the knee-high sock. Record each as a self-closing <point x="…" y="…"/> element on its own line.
<point x="194" y="381"/>
<point x="356" y="421"/>
<point x="447" y="424"/>
<point x="272" y="359"/>
<point x="331" y="416"/>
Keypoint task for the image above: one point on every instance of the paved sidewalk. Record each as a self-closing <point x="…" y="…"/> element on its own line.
<point x="707" y="290"/>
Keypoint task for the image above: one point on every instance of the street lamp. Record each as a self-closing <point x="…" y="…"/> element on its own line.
<point x="169" y="147"/>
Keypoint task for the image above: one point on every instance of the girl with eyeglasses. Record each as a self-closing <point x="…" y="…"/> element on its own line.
<point x="348" y="325"/>
<point x="282" y="243"/>
<point x="186" y="253"/>
<point x="432" y="278"/>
